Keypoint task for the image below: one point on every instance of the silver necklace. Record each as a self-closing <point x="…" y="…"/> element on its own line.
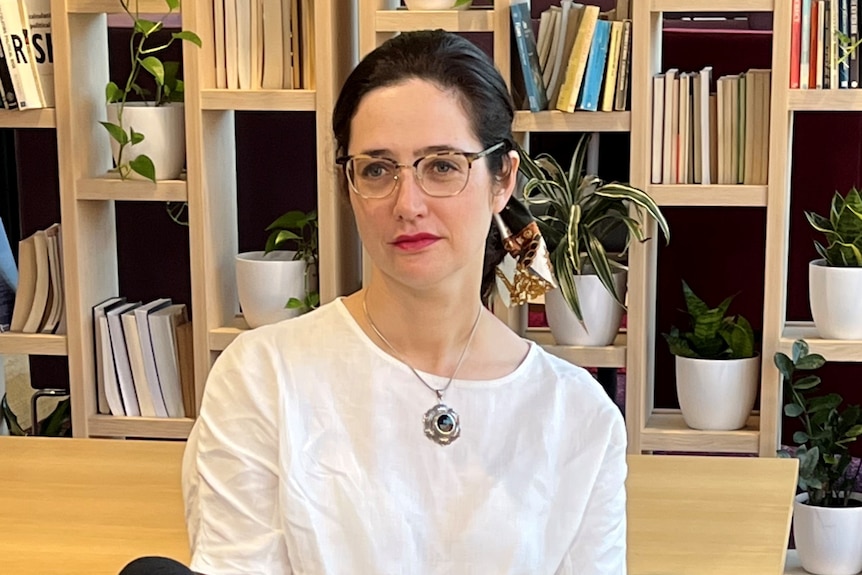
<point x="442" y="424"/>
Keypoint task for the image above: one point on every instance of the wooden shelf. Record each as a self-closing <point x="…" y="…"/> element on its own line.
<point x="112" y="188"/>
<point x="154" y="427"/>
<point x="221" y="337"/>
<point x="711" y="6"/>
<point x="268" y="100"/>
<point x="472" y="20"/>
<point x="33" y="344"/>
<point x="831" y="349"/>
<point x="825" y="100"/>
<point x="665" y="430"/>
<point x="113" y="7"/>
<point x="556" y="121"/>
<point x="708" y="196"/>
<point x="607" y="356"/>
<point x="38" y="118"/>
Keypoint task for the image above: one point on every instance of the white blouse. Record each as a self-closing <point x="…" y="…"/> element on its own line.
<point x="309" y="457"/>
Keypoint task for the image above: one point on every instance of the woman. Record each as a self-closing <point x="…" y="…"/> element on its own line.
<point x="404" y="429"/>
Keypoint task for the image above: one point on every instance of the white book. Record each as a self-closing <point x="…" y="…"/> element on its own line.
<point x="136" y="362"/>
<point x="151" y="375"/>
<point x="163" y="328"/>
<point x="244" y="43"/>
<point x="273" y="45"/>
<point x="107" y="388"/>
<point x="684" y="128"/>
<point x="568" y="24"/>
<point x="55" y="272"/>
<point x="657" y="127"/>
<point x="42" y="293"/>
<point x="231" y="45"/>
<point x="19" y="58"/>
<point x="704" y="81"/>
<point x="668" y="175"/>
<point x="38" y="15"/>
<point x="121" y="358"/>
<point x="287" y="45"/>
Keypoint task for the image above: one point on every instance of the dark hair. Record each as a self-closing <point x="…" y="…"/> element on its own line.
<point x="452" y="63"/>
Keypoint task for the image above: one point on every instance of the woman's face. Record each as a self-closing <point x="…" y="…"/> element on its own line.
<point x="411" y="237"/>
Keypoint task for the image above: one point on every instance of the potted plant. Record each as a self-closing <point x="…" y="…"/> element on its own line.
<point x="827" y="514"/>
<point x="577" y="213"/>
<point x="835" y="280"/>
<point x="279" y="283"/>
<point x="160" y="154"/>
<point x="717" y="367"/>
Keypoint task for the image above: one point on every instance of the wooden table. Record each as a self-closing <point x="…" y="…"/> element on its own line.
<point x="88" y="506"/>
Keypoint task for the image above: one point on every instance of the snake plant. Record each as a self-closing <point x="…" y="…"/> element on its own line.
<point x="576" y="211"/>
<point x="843" y="230"/>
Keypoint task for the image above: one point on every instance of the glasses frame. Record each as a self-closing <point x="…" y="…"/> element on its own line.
<point x="471" y="157"/>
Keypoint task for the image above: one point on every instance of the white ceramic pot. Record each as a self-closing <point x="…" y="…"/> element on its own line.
<point x="265" y="283"/>
<point x="828" y="539"/>
<point x="602" y="314"/>
<point x="835" y="296"/>
<point x="435" y="5"/>
<point x="164" y="133"/>
<point x="716" y="394"/>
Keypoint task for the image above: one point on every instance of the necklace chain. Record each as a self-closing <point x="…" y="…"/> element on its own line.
<point x="438" y="392"/>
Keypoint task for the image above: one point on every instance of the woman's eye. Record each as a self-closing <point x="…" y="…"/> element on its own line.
<point x="443" y="167"/>
<point x="375" y="170"/>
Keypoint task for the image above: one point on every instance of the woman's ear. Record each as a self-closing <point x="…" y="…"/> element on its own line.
<point x="504" y="184"/>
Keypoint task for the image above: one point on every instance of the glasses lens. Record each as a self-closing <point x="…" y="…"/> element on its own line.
<point x="372" y="177"/>
<point x="443" y="174"/>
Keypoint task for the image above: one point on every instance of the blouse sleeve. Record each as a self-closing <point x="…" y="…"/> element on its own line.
<point x="230" y="468"/>
<point x="599" y="547"/>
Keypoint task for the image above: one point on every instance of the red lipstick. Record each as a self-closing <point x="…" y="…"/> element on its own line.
<point x="414" y="242"/>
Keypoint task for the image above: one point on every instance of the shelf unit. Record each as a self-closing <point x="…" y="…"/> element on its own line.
<point x="379" y="21"/>
<point x="778" y="333"/>
<point x="651" y="429"/>
<point x="212" y="180"/>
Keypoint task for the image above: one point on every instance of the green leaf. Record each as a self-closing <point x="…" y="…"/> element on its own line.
<point x="116" y="132"/>
<point x="854" y="431"/>
<point x="155" y="67"/>
<point x="793" y="410"/>
<point x="800" y="437"/>
<point x="800" y="349"/>
<point x="147" y="27"/>
<point x="693" y="304"/>
<point x="143" y="165"/>
<point x="806" y="383"/>
<point x="173" y="5"/>
<point x="827" y="402"/>
<point x="113" y="93"/>
<point x="784" y="365"/>
<point x="188" y="36"/>
<point x="294" y="303"/>
<point x="292" y="220"/>
<point x="810" y="362"/>
<point x="137" y="137"/>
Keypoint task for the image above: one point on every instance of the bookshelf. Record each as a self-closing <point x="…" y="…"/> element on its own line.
<point x="651" y="428"/>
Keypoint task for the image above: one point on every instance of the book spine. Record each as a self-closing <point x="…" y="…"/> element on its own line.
<point x="813" y="61"/>
<point x="19" y="56"/>
<point x="853" y="60"/>
<point x="805" y="45"/>
<point x="577" y="60"/>
<point x="41" y="43"/>
<point x="528" y="55"/>
<point x="589" y="98"/>
<point x="795" y="42"/>
<point x="610" y="81"/>
<point x="843" y="28"/>
<point x="827" y="44"/>
<point x="624" y="68"/>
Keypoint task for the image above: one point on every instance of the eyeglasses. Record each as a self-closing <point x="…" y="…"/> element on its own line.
<point x="441" y="174"/>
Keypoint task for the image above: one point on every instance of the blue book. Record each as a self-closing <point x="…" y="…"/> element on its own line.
<point x="844" y="28"/>
<point x="595" y="73"/>
<point x="528" y="55"/>
<point x="8" y="280"/>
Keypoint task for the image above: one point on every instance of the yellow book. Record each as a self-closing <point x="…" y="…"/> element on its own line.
<point x="578" y="60"/>
<point x="610" y="87"/>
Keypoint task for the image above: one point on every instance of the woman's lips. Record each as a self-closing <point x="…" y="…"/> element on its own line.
<point x="415" y="242"/>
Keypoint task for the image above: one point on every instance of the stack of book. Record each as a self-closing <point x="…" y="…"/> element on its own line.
<point x="705" y="137"/>
<point x="26" y="55"/>
<point x="824" y="44"/>
<point x="144" y="363"/>
<point x="40" y="300"/>
<point x="266" y="44"/>
<point x="580" y="59"/>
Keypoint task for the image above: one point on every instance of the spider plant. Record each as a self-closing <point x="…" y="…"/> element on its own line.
<point x="576" y="212"/>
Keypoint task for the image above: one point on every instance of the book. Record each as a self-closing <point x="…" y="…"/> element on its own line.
<point x="286" y="46"/>
<point x="528" y="55"/>
<point x="120" y="353"/>
<point x="151" y="376"/>
<point x="19" y="56"/>
<point x="577" y="60"/>
<point x="8" y="280"/>
<point x="853" y="60"/>
<point x="136" y="362"/>
<point x="107" y="388"/>
<point x="668" y="171"/>
<point x="820" y="52"/>
<point x="543" y="47"/>
<point x="657" y="128"/>
<point x="569" y="16"/>
<point x="42" y="47"/>
<point x="610" y="81"/>
<point x="685" y="131"/>
<point x="812" y="51"/>
<point x="703" y="143"/>
<point x="805" y="44"/>
<point x="843" y="28"/>
<point x="624" y="68"/>
<point x="555" y="15"/>
<point x="795" y="42"/>
<point x="26" y="283"/>
<point x="594" y="72"/>
<point x="54" y="312"/>
<point x="163" y="332"/>
<point x="10" y="101"/>
<point x="42" y="291"/>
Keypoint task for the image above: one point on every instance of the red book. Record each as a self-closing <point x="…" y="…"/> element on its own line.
<point x="795" y="42"/>
<point x="812" y="58"/>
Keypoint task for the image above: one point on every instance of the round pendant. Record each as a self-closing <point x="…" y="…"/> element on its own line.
<point x="442" y="425"/>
